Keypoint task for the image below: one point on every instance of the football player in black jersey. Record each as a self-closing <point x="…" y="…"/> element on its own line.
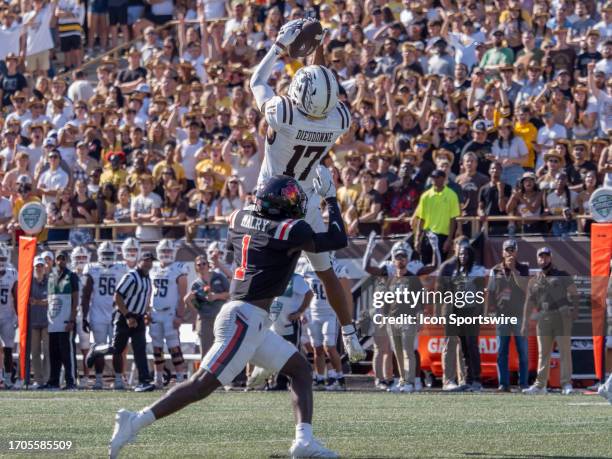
<point x="267" y="239"/>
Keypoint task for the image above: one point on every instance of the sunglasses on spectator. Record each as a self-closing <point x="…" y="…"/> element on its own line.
<point x="553" y="160"/>
<point x="53" y="157"/>
<point x="509" y="249"/>
<point x="422" y="145"/>
<point x="202" y="263"/>
<point x="450" y="128"/>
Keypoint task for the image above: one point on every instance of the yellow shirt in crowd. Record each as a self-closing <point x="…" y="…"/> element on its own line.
<point x="436" y="209"/>
<point x="528" y="132"/>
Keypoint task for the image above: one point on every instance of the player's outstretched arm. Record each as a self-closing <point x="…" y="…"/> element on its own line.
<point x="260" y="88"/>
<point x="335" y="238"/>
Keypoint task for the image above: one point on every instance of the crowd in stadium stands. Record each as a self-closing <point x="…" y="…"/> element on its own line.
<point x="510" y="99"/>
<point x="504" y="107"/>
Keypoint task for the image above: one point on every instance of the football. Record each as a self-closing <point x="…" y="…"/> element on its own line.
<point x="307" y="41"/>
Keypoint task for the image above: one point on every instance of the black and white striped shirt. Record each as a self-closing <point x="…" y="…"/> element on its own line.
<point x="135" y="289"/>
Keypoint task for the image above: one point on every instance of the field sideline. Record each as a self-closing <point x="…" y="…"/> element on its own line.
<point x="357" y="424"/>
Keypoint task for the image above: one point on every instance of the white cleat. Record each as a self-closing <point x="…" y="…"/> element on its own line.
<point x="98" y="385"/>
<point x="535" y="390"/>
<point x="602" y="391"/>
<point x="408" y="389"/>
<point x="258" y="377"/>
<point x="397" y="387"/>
<point x="124" y="432"/>
<point x="567" y="389"/>
<point x="353" y="347"/>
<point x="313" y="448"/>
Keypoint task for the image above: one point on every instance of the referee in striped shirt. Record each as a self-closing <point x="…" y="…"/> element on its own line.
<point x="132" y="298"/>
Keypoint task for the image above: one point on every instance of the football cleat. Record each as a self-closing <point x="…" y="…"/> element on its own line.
<point x="124" y="432"/>
<point x="98" y="385"/>
<point x="603" y="391"/>
<point x="313" y="448"/>
<point x="353" y="347"/>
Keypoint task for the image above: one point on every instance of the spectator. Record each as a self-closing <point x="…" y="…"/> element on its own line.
<point x="401" y="199"/>
<point x="493" y="199"/>
<point x="39" y="41"/>
<point x="145" y="208"/>
<point x="471" y="181"/>
<point x="561" y="202"/>
<point x="232" y="197"/>
<point x="510" y="151"/>
<point x="206" y="295"/>
<point x="590" y="184"/>
<point x="440" y="223"/>
<point x="9" y="182"/>
<point x="363" y="216"/>
<point x="173" y="211"/>
<point x="113" y="172"/>
<point x="25" y="195"/>
<point x="202" y="225"/>
<point x="527" y="201"/>
<point x="119" y="211"/>
<point x="480" y="146"/>
<point x="39" y="334"/>
<point x="53" y="180"/>
<point x="11" y="81"/>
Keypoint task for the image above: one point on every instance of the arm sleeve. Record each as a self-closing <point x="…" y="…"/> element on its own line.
<point x="260" y="88"/>
<point x="302" y="235"/>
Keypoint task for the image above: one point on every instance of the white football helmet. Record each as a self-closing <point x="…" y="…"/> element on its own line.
<point x="5" y="256"/>
<point x="130" y="249"/>
<point x="402" y="247"/>
<point x="107" y="253"/>
<point x="165" y="250"/>
<point x="314" y="90"/>
<point x="79" y="257"/>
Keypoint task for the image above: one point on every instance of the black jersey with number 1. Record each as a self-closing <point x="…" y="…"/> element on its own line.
<point x="265" y="253"/>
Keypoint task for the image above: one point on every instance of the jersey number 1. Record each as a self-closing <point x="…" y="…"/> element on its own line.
<point x="240" y="271"/>
<point x="298" y="152"/>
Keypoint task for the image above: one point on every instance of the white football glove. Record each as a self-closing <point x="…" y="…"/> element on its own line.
<point x="323" y="183"/>
<point x="289" y="32"/>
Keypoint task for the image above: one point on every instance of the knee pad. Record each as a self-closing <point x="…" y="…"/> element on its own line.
<point x="158" y="357"/>
<point x="177" y="356"/>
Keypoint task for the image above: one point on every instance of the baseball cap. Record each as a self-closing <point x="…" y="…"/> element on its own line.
<point x="544" y="250"/>
<point x="479" y="125"/>
<point x="39" y="261"/>
<point x="438" y="174"/>
<point x="561" y="72"/>
<point x="147" y="256"/>
<point x="509" y="244"/>
<point x="47" y="254"/>
<point x="50" y="142"/>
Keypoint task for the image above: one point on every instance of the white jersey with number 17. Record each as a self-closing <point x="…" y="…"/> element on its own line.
<point x="299" y="142"/>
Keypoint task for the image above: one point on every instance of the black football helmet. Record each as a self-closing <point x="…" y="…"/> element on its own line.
<point x="280" y="197"/>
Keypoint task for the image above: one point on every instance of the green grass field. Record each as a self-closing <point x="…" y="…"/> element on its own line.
<point x="356" y="424"/>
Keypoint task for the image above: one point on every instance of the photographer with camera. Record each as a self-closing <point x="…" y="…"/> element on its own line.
<point x="507" y="287"/>
<point x="206" y="295"/>
<point x="554" y="293"/>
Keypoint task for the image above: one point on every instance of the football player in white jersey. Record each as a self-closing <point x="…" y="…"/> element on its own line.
<point x="302" y="127"/>
<point x="79" y="257"/>
<point x="169" y="279"/>
<point x="323" y="330"/>
<point x="8" y="311"/>
<point x="130" y="251"/>
<point x="101" y="279"/>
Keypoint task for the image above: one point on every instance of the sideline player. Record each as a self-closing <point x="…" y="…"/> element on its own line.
<point x="267" y="239"/>
<point x="302" y="127"/>
<point x="79" y="257"/>
<point x="169" y="279"/>
<point x="8" y="311"/>
<point x="102" y="277"/>
<point x="323" y="330"/>
<point x="130" y="251"/>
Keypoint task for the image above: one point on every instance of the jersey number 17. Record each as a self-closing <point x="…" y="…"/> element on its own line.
<point x="300" y="151"/>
